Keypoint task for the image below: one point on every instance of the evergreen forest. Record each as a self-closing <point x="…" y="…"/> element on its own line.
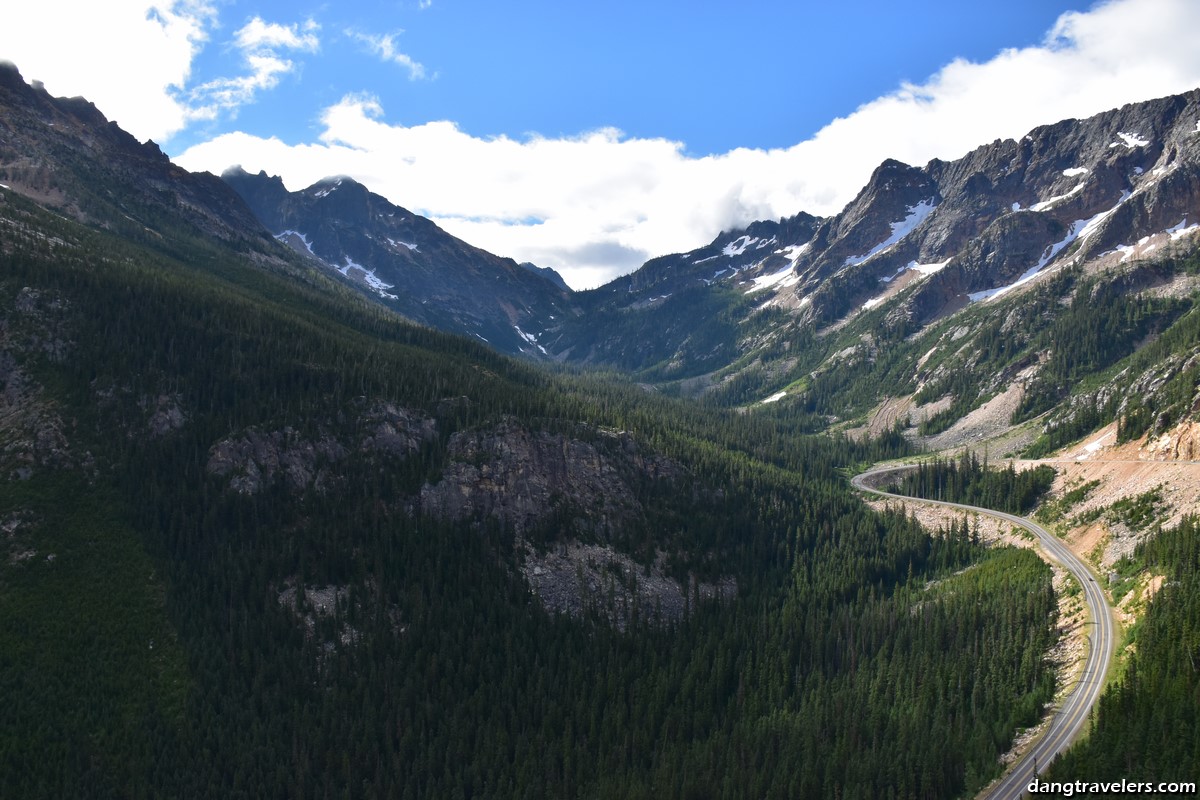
<point x="163" y="635"/>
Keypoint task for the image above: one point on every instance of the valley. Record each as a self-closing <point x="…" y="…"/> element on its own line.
<point x="303" y="496"/>
<point x="1070" y="716"/>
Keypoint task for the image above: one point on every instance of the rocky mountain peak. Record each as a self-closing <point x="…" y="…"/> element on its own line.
<point x="407" y="262"/>
<point x="64" y="153"/>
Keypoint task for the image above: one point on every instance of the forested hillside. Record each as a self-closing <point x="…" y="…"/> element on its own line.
<point x="221" y="579"/>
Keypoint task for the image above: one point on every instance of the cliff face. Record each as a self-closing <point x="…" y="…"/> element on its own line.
<point x="525" y="478"/>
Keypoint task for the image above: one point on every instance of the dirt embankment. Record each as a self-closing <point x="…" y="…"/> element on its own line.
<point x="1124" y="472"/>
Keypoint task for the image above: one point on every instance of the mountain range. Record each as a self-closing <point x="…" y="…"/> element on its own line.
<point x="776" y="309"/>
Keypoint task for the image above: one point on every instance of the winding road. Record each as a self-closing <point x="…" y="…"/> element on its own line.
<point x="1073" y="714"/>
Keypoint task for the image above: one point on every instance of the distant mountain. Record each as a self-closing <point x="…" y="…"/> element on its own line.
<point x="407" y="262"/>
<point x="548" y="273"/>
<point x="923" y="241"/>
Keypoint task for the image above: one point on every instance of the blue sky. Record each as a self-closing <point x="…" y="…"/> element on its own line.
<point x="713" y="75"/>
<point x="590" y="137"/>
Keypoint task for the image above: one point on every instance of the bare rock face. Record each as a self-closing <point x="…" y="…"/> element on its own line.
<point x="63" y="152"/>
<point x="394" y="431"/>
<point x="575" y="578"/>
<point x="166" y="414"/>
<point x="1126" y="181"/>
<point x="256" y="459"/>
<point x="1180" y="443"/>
<point x="34" y="434"/>
<point x="585" y="488"/>
<point x="524" y="478"/>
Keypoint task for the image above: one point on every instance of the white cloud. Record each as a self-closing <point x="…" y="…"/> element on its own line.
<point x="260" y="43"/>
<point x="133" y="58"/>
<point x="257" y="36"/>
<point x="136" y="54"/>
<point x="384" y="46"/>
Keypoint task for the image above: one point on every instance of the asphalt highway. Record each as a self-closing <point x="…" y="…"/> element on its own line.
<point x="1072" y="715"/>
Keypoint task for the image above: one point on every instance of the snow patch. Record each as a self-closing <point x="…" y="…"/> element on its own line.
<point x="396" y="243"/>
<point x="1051" y="202"/>
<point x="1093" y="447"/>
<point x="1074" y="172"/>
<point x="776" y="397"/>
<point x="739" y="245"/>
<point x="766" y="281"/>
<point x="874" y="301"/>
<point x="793" y="252"/>
<point x="368" y="277"/>
<point x="1092" y="225"/>
<point x="5" y="186"/>
<point x="1182" y="229"/>
<point x="1138" y="170"/>
<point x="325" y="192"/>
<point x="929" y="269"/>
<point x="1130" y="140"/>
<point x="529" y="337"/>
<point x="285" y="234"/>
<point x="916" y="215"/>
<point x="1016" y="206"/>
<point x="710" y="258"/>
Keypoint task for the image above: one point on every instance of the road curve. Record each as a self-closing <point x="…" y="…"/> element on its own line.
<point x="1073" y="714"/>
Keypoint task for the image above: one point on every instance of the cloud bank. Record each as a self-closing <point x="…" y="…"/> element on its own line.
<point x="133" y="58"/>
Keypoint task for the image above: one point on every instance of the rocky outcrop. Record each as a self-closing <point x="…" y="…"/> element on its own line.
<point x="526" y="478"/>
<point x="1180" y="443"/>
<point x="34" y="434"/>
<point x="394" y="431"/>
<point x="575" y="578"/>
<point x="255" y="459"/>
<point x="165" y="414"/>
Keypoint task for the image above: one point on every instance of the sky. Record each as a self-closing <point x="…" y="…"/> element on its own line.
<point x="590" y="137"/>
